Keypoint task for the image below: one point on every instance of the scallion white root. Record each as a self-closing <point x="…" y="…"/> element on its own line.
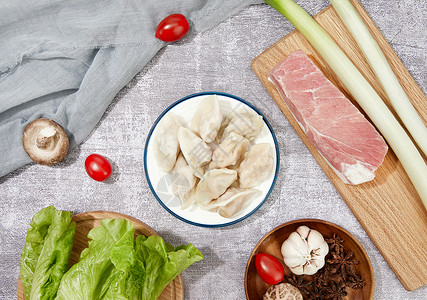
<point x="361" y="90"/>
<point x="385" y="75"/>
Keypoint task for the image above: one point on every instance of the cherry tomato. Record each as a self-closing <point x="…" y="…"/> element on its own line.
<point x="172" y="28"/>
<point x="98" y="167"/>
<point x="269" y="268"/>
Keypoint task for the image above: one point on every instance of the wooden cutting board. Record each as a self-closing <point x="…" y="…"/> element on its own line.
<point x="388" y="208"/>
<point x="86" y="221"/>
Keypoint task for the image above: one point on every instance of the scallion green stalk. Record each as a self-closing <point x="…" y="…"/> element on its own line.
<point x="361" y="90"/>
<point x="385" y="75"/>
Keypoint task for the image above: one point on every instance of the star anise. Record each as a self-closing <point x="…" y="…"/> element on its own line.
<point x="335" y="243"/>
<point x="321" y="278"/>
<point x="355" y="282"/>
<point x="336" y="291"/>
<point x="330" y="271"/>
<point x="316" y="293"/>
<point x="343" y="264"/>
<point x="299" y="283"/>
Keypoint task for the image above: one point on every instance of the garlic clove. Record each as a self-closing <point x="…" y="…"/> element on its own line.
<point x="298" y="270"/>
<point x="303" y="232"/>
<point x="295" y="250"/>
<point x="319" y="263"/>
<point x="315" y="239"/>
<point x="294" y="261"/>
<point x="295" y="244"/>
<point x="310" y="268"/>
<point x="324" y="249"/>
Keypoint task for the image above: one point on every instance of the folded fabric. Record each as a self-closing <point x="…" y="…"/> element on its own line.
<point x="66" y="60"/>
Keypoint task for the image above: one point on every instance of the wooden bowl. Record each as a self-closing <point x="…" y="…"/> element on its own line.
<point x="271" y="243"/>
<point x="86" y="221"/>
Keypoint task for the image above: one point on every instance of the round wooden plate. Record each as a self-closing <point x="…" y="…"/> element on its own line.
<point x="86" y="221"/>
<point x="271" y="243"/>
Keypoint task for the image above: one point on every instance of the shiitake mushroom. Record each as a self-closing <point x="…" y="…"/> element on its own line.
<point x="45" y="142"/>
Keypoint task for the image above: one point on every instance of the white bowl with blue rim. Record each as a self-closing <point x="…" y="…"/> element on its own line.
<point x="160" y="182"/>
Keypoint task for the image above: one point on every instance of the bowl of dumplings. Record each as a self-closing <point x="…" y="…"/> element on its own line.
<point x="211" y="159"/>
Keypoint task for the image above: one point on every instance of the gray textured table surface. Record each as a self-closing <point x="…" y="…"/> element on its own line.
<point x="217" y="60"/>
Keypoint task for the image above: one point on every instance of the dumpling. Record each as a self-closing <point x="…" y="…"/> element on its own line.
<point x="207" y="118"/>
<point x="246" y="123"/>
<point x="196" y="152"/>
<point x="231" y="202"/>
<point x="235" y="203"/>
<point x="228" y="152"/>
<point x="183" y="182"/>
<point x="257" y="165"/>
<point x="166" y="146"/>
<point x="226" y="118"/>
<point x="213" y="184"/>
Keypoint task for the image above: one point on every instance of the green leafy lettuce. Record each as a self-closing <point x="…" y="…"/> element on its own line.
<point x="91" y="276"/>
<point x="144" y="272"/>
<point x="44" y="258"/>
<point x="115" y="266"/>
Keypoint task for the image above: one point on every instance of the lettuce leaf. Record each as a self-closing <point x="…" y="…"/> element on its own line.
<point x="91" y="276"/>
<point x="44" y="258"/>
<point x="144" y="272"/>
<point x="115" y="266"/>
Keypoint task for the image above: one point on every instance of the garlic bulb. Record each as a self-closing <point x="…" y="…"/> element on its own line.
<point x="304" y="251"/>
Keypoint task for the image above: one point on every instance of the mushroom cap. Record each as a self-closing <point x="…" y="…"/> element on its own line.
<point x="282" y="291"/>
<point x="45" y="142"/>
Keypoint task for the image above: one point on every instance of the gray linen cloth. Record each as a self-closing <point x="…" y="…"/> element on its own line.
<point x="66" y="60"/>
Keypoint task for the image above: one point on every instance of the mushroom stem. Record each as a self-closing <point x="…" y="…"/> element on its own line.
<point x="47" y="138"/>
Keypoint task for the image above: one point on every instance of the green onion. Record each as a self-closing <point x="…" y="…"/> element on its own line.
<point x="383" y="72"/>
<point x="361" y="90"/>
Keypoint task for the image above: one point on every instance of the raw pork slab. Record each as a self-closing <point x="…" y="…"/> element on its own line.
<point x="344" y="137"/>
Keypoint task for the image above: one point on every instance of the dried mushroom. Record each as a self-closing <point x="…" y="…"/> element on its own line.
<point x="282" y="291"/>
<point x="45" y="141"/>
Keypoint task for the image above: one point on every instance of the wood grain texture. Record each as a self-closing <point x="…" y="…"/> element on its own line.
<point x="272" y="242"/>
<point x="388" y="207"/>
<point x="86" y="221"/>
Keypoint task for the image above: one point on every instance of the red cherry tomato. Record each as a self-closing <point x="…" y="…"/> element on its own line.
<point x="269" y="268"/>
<point x="98" y="167"/>
<point x="172" y="28"/>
